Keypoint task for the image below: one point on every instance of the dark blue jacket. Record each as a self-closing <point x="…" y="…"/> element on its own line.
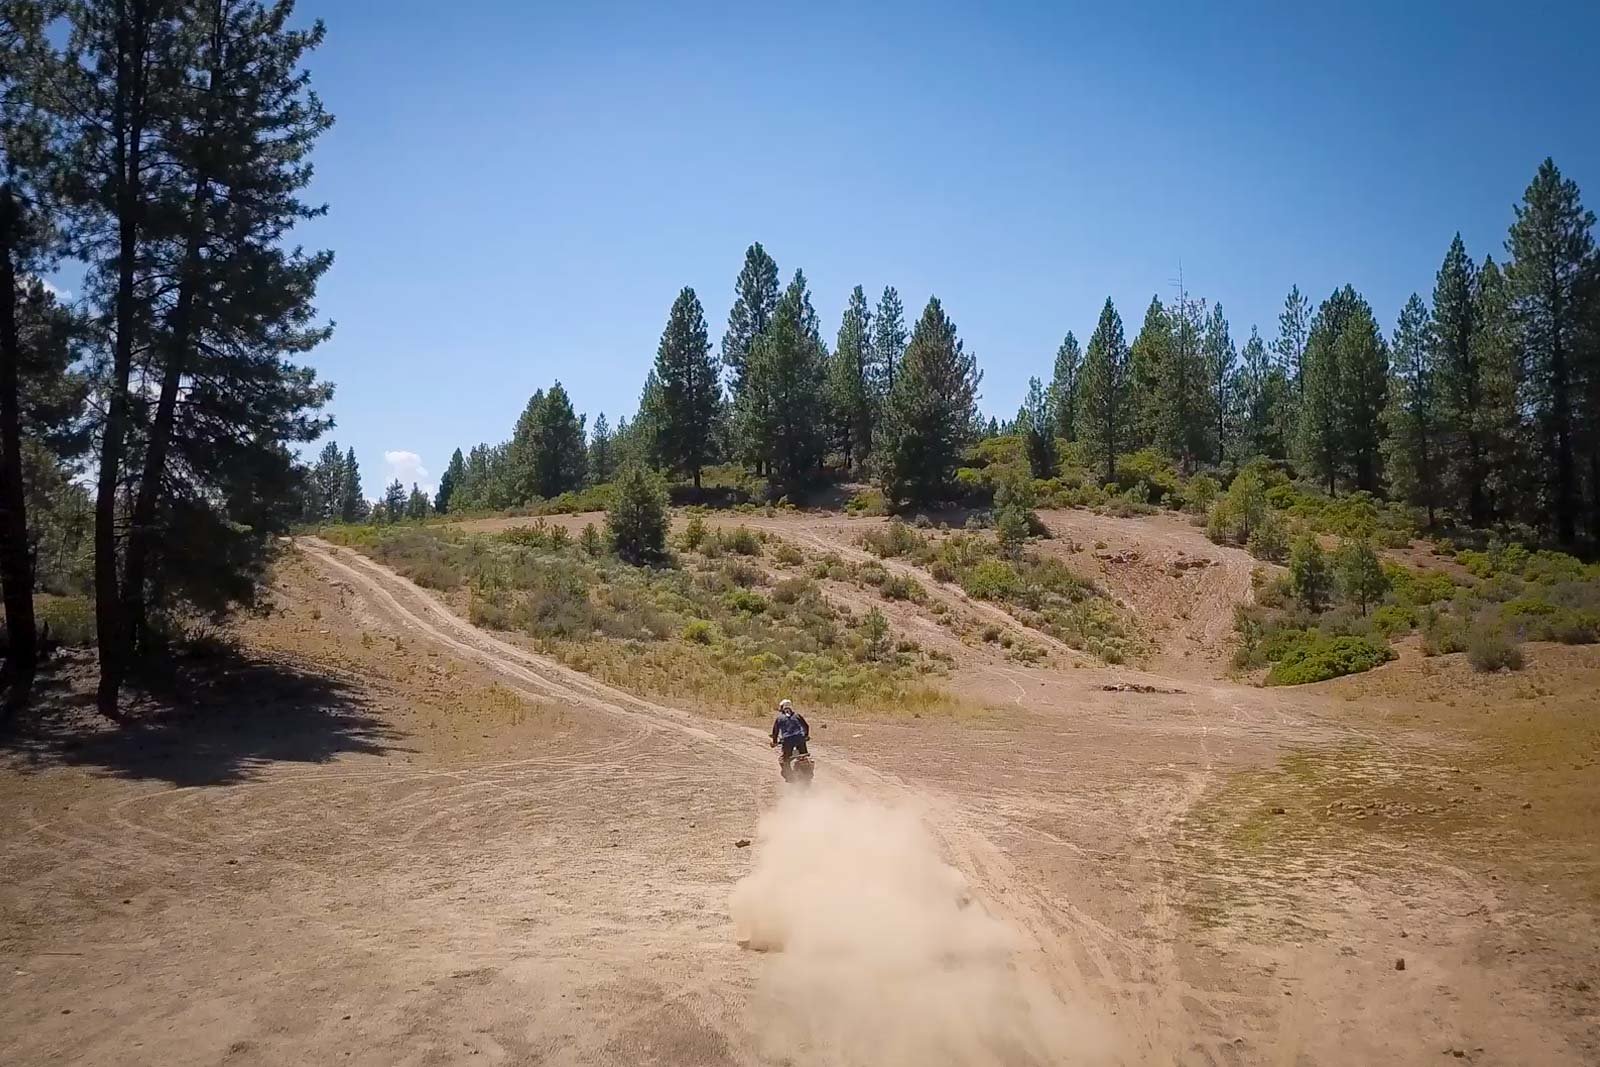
<point x="790" y="727"/>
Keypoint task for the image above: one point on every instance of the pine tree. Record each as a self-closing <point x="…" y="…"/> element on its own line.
<point x="602" y="460"/>
<point x="1361" y="575"/>
<point x="1363" y="360"/>
<point x="352" y="504"/>
<point x="1036" y="424"/>
<point x="1453" y="356"/>
<point x="417" y="506"/>
<point x="640" y="444"/>
<point x="930" y="412"/>
<point x="239" y="140"/>
<point x="1064" y="388"/>
<point x="781" y="415"/>
<point x="1553" y="284"/>
<point x="1221" y="361"/>
<point x="1183" y="402"/>
<point x="1263" y="396"/>
<point x="547" y="455"/>
<point x="636" y="521"/>
<point x="1105" y="391"/>
<point x="26" y="220"/>
<point x="1309" y="575"/>
<point x="849" y="382"/>
<point x="1411" y="450"/>
<point x="755" y="300"/>
<point x="691" y="395"/>
<point x="1294" y="332"/>
<point x="327" y="479"/>
<point x="1502" y="427"/>
<point x="888" y="344"/>
<point x="452" y="478"/>
<point x="521" y="449"/>
<point x="394" y="502"/>
<point x="1150" y="363"/>
<point x="186" y="130"/>
<point x="42" y="509"/>
<point x="113" y="97"/>
<point x="562" y="455"/>
<point x="1346" y="381"/>
<point x="1319" y="449"/>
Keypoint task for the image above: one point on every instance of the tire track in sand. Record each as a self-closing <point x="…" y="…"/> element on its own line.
<point x="1070" y="958"/>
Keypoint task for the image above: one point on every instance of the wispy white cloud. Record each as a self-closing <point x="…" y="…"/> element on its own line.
<point x="407" y="466"/>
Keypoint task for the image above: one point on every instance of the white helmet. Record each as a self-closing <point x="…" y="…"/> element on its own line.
<point x="784" y="705"/>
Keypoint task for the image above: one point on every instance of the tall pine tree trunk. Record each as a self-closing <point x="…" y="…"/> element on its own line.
<point x="1566" y="503"/>
<point x="1594" y="493"/>
<point x="142" y="520"/>
<point x="181" y="330"/>
<point x="16" y="563"/>
<point x="128" y="129"/>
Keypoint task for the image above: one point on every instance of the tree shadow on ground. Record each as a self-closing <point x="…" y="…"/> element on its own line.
<point x="221" y="720"/>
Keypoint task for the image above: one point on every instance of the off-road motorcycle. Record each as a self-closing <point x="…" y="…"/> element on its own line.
<point x="797" y="769"/>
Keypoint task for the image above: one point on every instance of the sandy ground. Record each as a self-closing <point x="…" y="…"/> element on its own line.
<point x="383" y="836"/>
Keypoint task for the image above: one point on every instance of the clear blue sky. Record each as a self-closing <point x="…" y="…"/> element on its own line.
<point x="519" y="190"/>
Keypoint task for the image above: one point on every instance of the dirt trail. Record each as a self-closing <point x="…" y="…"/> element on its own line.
<point x="451" y="849"/>
<point x="1053" y="980"/>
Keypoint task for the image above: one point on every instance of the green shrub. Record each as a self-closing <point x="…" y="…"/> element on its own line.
<point x="576" y="501"/>
<point x="555" y="602"/>
<point x="867" y="502"/>
<point x="1526" y="607"/>
<point x="991" y="579"/>
<point x="1392" y="619"/>
<point x="787" y="554"/>
<point x="742" y="542"/>
<point x="1490" y="648"/>
<point x="745" y="601"/>
<point x="1421" y="587"/>
<point x="1219" y="523"/>
<point x="1270" y="539"/>
<point x="434" y="574"/>
<point x="1146" y="477"/>
<point x="590" y="540"/>
<point x="874" y="633"/>
<point x="1200" y="491"/>
<point x="900" y="587"/>
<point x="791" y="590"/>
<point x="1275" y="593"/>
<point x="1354" y="516"/>
<point x="1247" y="503"/>
<point x="1574" y="628"/>
<point x="694" y="533"/>
<point x="1014" y="517"/>
<point x="700" y="632"/>
<point x="1328" y="657"/>
<point x="872" y="574"/>
<point x="1442" y="635"/>
<point x="1547" y="566"/>
<point x="67" y="620"/>
<point x="743" y="574"/>
<point x="893" y="538"/>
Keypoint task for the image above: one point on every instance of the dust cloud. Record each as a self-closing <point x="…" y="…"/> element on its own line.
<point x="879" y="953"/>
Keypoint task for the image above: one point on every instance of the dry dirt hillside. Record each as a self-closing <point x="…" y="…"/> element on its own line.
<point x="376" y="833"/>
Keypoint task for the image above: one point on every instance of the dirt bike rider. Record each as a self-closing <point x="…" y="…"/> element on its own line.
<point x="792" y="731"/>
